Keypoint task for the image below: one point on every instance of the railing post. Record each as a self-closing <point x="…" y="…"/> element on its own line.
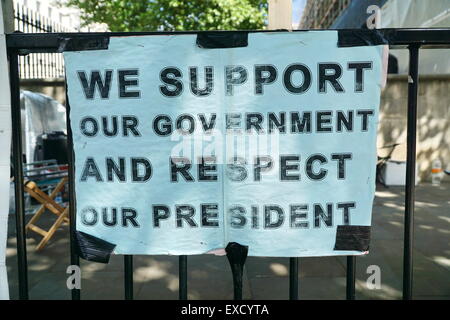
<point x="237" y="254"/>
<point x="74" y="258"/>
<point x="18" y="174"/>
<point x="182" y="273"/>
<point x="293" y="278"/>
<point x="351" y="277"/>
<point x="128" y="277"/>
<point x="413" y="84"/>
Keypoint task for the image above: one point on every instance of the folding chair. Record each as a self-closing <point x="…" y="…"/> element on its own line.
<point x="52" y="176"/>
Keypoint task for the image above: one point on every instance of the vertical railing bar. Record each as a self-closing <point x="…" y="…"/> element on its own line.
<point x="35" y="55"/>
<point x="182" y="273"/>
<point x="293" y="278"/>
<point x="18" y="174"/>
<point x="32" y="56"/>
<point x="17" y="18"/>
<point x="27" y="58"/>
<point x="24" y="25"/>
<point x="128" y="276"/>
<point x="413" y="84"/>
<point x="22" y="17"/>
<point x="38" y="55"/>
<point x="30" y="29"/>
<point x="17" y="27"/>
<point x="60" y="65"/>
<point x="49" y="56"/>
<point x="237" y="255"/>
<point x="74" y="258"/>
<point x="57" y="67"/>
<point x="43" y="59"/>
<point x="52" y="55"/>
<point x="351" y="278"/>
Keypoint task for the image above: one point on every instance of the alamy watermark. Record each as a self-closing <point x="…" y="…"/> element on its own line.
<point x="374" y="20"/>
<point x="74" y="280"/>
<point x="373" y="282"/>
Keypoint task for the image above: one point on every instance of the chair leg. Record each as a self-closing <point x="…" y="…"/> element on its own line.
<point x="47" y="200"/>
<point x="35" y="217"/>
<point x="53" y="229"/>
<point x="45" y="204"/>
<point x="48" y="203"/>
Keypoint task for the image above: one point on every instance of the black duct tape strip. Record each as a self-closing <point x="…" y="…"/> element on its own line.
<point x="83" y="43"/>
<point x="352" y="238"/>
<point x="357" y="38"/>
<point x="216" y="40"/>
<point x="92" y="248"/>
<point x="236" y="252"/>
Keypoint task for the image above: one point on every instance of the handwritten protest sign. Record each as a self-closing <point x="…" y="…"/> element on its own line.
<point x="181" y="149"/>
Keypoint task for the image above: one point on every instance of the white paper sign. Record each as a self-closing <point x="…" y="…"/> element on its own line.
<point x="181" y="149"/>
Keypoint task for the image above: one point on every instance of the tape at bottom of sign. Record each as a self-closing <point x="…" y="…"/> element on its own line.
<point x="352" y="238"/>
<point x="236" y="253"/>
<point x="92" y="248"/>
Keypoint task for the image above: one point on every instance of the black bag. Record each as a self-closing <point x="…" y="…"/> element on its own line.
<point x="51" y="146"/>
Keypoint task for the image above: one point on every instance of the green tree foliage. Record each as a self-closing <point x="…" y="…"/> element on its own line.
<point x="174" y="15"/>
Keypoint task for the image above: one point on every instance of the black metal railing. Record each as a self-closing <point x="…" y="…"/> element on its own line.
<point x="38" y="65"/>
<point x="412" y="39"/>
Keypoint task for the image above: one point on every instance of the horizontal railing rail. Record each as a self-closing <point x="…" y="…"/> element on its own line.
<point x="51" y="42"/>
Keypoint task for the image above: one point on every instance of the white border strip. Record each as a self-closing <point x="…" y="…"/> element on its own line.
<point x="5" y="145"/>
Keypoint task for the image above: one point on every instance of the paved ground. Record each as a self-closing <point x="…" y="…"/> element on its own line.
<point x="156" y="277"/>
